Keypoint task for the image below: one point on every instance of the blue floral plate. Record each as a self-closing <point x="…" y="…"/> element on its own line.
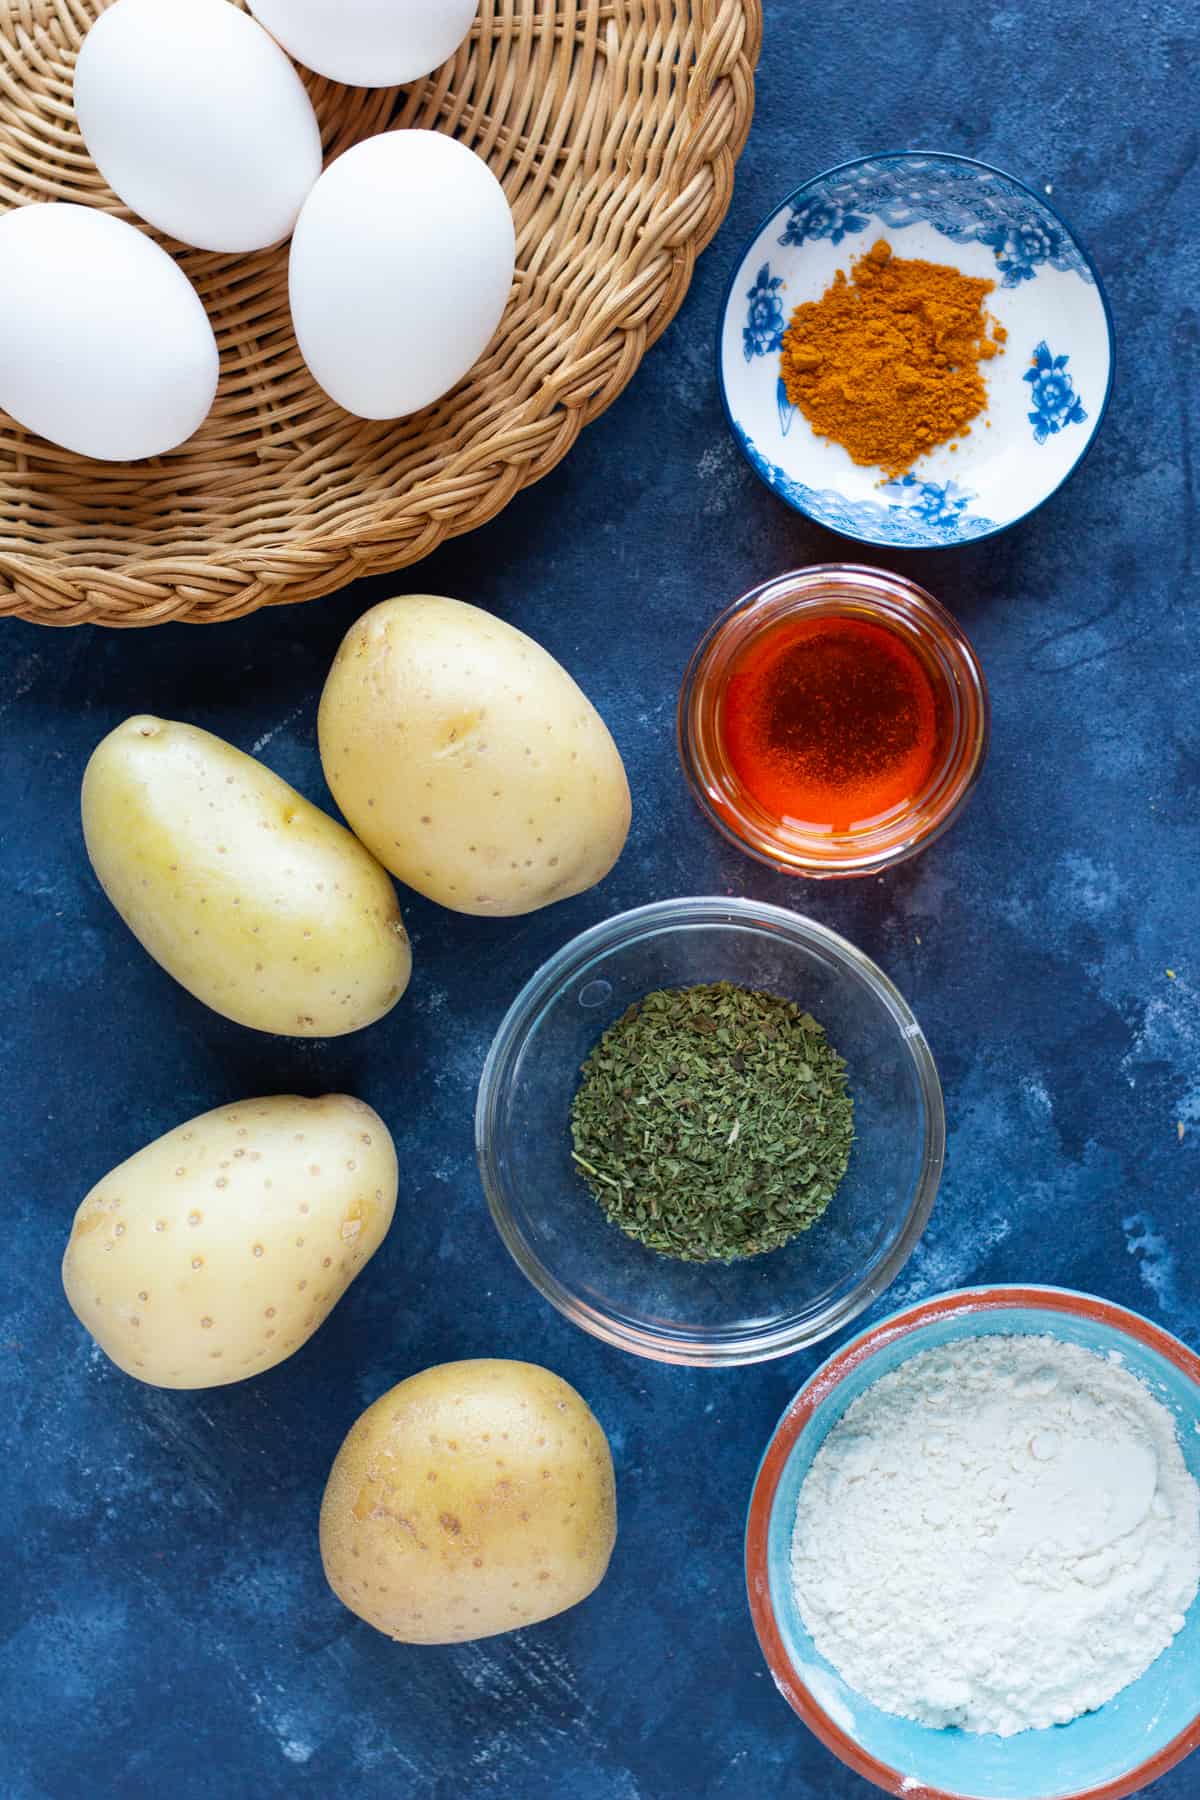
<point x="1047" y="394"/>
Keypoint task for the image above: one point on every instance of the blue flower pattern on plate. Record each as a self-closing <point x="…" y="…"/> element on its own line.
<point x="867" y="520"/>
<point x="1020" y="249"/>
<point x="937" y="505"/>
<point x="764" y="322"/>
<point x="1055" y="402"/>
<point x="962" y="201"/>
<point x="1020" y="239"/>
<point x="817" y="217"/>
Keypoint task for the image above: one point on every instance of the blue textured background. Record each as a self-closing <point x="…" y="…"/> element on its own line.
<point x="165" y="1625"/>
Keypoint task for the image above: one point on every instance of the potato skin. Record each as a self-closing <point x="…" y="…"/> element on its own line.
<point x="474" y="1498"/>
<point x="217" y="1250"/>
<point x="468" y="761"/>
<point x="262" y="906"/>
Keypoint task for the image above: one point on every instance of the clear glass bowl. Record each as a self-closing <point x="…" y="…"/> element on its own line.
<point x="875" y="596"/>
<point x="714" y="1313"/>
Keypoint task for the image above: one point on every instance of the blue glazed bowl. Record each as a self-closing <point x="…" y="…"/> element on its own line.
<point x="1128" y="1743"/>
<point x="1047" y="394"/>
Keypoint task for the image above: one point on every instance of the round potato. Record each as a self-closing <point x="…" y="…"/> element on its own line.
<point x="467" y="760"/>
<point x="263" y="907"/>
<point x="472" y="1499"/>
<point x="218" y="1250"/>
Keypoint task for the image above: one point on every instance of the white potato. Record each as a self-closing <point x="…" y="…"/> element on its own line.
<point x="474" y="1498"/>
<point x="262" y="906"/>
<point x="468" y="761"/>
<point x="217" y="1250"/>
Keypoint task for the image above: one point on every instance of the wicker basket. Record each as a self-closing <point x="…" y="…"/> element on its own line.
<point x="614" y="126"/>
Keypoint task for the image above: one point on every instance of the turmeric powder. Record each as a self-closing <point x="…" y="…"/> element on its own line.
<point x="887" y="363"/>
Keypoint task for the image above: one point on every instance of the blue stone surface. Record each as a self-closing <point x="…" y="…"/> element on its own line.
<point x="164" y="1625"/>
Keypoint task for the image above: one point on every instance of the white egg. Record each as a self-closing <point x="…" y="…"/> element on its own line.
<point x="402" y="264"/>
<point x="105" y="347"/>
<point x="368" y="43"/>
<point x="198" y="121"/>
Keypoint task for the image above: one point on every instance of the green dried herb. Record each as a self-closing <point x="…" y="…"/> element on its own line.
<point x="713" y="1122"/>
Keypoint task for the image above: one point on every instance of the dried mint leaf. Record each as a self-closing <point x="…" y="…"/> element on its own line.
<point x="713" y="1122"/>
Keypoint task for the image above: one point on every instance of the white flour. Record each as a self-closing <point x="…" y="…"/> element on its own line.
<point x="998" y="1534"/>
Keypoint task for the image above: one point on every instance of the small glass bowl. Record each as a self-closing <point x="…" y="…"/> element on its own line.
<point x="873" y="595"/>
<point x="708" y="1313"/>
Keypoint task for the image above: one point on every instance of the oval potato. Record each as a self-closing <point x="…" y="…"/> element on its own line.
<point x="217" y="1250"/>
<point x="468" y="761"/>
<point x="263" y="907"/>
<point x="474" y="1498"/>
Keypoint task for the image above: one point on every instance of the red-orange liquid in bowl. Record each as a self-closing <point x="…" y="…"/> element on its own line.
<point x="832" y="722"/>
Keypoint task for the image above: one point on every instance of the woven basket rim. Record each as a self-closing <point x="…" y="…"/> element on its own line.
<point x="183" y="588"/>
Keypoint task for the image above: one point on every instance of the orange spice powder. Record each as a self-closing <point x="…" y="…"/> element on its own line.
<point x="887" y="363"/>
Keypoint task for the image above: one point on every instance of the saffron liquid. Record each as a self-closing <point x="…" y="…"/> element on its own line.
<point x="832" y="723"/>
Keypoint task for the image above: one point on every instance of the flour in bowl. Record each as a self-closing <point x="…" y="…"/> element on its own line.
<point x="999" y="1534"/>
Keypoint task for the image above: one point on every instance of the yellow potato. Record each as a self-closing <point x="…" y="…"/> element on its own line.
<point x="218" y="1250"/>
<point x="467" y="760"/>
<point x="263" y="907"/>
<point x="472" y="1499"/>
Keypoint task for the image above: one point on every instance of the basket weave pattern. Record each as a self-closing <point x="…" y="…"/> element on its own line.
<point x="614" y="126"/>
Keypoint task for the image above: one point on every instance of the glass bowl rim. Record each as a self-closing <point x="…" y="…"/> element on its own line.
<point x="931" y="617"/>
<point x="995" y="1297"/>
<point x="735" y="1348"/>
